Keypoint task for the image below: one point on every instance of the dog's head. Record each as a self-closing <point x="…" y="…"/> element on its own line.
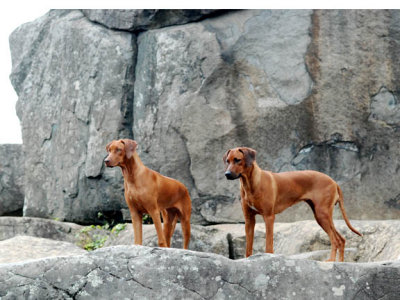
<point x="237" y="161"/>
<point x="118" y="151"/>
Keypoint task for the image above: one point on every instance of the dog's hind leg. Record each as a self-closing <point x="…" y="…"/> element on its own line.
<point x="185" y="223"/>
<point x="170" y="217"/>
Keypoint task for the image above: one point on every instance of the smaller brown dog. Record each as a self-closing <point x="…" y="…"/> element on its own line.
<point x="147" y="191"/>
<point x="268" y="193"/>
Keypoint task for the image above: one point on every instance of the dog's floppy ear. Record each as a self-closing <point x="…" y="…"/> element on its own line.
<point x="249" y="155"/>
<point x="108" y="147"/>
<point x="130" y="147"/>
<point x="225" y="156"/>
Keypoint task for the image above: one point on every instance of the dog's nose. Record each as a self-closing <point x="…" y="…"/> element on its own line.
<point x="228" y="174"/>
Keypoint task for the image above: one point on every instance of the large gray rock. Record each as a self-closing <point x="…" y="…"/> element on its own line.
<point x="145" y="19"/>
<point x="325" y="101"/>
<point x="203" y="88"/>
<point x="36" y="227"/>
<point x="74" y="81"/>
<point x="23" y="248"/>
<point x="306" y="89"/>
<point x="354" y="62"/>
<point x="11" y="179"/>
<point x="154" y="273"/>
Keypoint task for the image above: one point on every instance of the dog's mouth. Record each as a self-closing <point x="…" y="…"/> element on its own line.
<point x="108" y="164"/>
<point x="231" y="176"/>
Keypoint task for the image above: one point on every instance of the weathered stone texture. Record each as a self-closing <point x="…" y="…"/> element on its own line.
<point x="155" y="273"/>
<point x="306" y="89"/>
<point x="303" y="239"/>
<point x="354" y="61"/>
<point x="74" y="81"/>
<point x="11" y="179"/>
<point x="37" y="227"/>
<point x="23" y="248"/>
<point x="203" y="88"/>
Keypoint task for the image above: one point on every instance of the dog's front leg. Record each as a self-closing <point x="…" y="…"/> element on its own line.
<point x="155" y="215"/>
<point x="269" y="233"/>
<point x="250" y="222"/>
<point x="137" y="226"/>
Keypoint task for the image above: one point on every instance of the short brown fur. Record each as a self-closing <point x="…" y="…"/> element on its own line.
<point x="268" y="193"/>
<point x="147" y="191"/>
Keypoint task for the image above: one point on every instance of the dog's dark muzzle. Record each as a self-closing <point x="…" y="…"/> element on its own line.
<point x="107" y="162"/>
<point x="231" y="176"/>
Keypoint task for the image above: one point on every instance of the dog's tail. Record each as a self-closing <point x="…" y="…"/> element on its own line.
<point x="341" y="205"/>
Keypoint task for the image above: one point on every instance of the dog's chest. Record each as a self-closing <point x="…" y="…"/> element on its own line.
<point x="136" y="198"/>
<point x="252" y="203"/>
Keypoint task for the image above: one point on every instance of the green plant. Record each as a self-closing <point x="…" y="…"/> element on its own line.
<point x="147" y="219"/>
<point x="93" y="237"/>
<point x="96" y="243"/>
<point x="118" y="228"/>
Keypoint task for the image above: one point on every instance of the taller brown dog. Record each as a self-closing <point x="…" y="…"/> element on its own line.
<point x="147" y="191"/>
<point x="268" y="193"/>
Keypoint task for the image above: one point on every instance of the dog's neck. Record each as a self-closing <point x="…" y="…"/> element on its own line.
<point x="131" y="167"/>
<point x="250" y="179"/>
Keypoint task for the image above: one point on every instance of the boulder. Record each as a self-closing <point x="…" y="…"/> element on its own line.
<point x="23" y="248"/>
<point x="37" y="227"/>
<point x="303" y="239"/>
<point x="11" y="179"/>
<point x="137" y="20"/>
<point x="74" y="80"/>
<point x="156" y="273"/>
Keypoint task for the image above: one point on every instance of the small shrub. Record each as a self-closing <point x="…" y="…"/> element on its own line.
<point x="118" y="228"/>
<point x="94" y="236"/>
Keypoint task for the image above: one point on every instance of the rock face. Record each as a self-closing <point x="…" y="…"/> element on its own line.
<point x="11" y="179"/>
<point x="155" y="273"/>
<point x="203" y="88"/>
<point x="306" y="89"/>
<point x="74" y="80"/>
<point x="257" y="78"/>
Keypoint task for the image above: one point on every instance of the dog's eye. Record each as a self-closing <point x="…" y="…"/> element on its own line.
<point x="118" y="150"/>
<point x="236" y="160"/>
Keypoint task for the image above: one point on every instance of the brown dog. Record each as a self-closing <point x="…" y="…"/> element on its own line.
<point x="268" y="193"/>
<point x="147" y="191"/>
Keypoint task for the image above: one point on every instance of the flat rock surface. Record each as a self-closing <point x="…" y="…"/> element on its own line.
<point x="380" y="240"/>
<point x="22" y="248"/>
<point x="37" y="227"/>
